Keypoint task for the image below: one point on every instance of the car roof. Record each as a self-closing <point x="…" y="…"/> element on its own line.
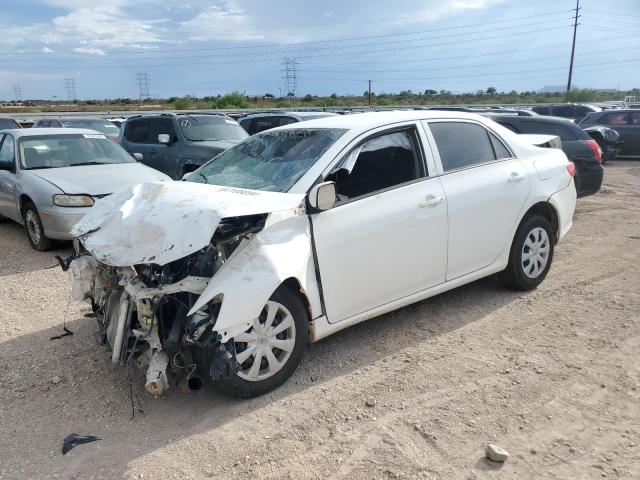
<point x="36" y="132"/>
<point x="369" y="120"/>
<point x="538" y="119"/>
<point x="306" y="113"/>
<point x="71" y="118"/>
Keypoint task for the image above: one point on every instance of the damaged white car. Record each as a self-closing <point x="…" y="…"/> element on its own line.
<point x="303" y="230"/>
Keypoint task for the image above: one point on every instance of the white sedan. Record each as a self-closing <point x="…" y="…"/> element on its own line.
<point x="303" y="230"/>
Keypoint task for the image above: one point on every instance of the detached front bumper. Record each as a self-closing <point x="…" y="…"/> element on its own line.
<point x="58" y="221"/>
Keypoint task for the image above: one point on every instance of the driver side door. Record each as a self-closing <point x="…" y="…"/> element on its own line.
<point x="8" y="200"/>
<point x="386" y="237"/>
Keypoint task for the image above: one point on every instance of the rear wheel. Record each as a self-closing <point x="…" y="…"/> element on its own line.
<point x="269" y="351"/>
<point x="35" y="231"/>
<point x="531" y="254"/>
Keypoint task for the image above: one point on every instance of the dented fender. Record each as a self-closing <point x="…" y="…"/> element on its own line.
<point x="245" y="282"/>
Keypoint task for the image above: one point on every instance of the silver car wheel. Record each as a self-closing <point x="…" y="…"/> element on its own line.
<point x="535" y="252"/>
<point x="265" y="347"/>
<point x="33" y="226"/>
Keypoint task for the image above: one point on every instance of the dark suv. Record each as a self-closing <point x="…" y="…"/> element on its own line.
<point x="177" y="144"/>
<point x="572" y="111"/>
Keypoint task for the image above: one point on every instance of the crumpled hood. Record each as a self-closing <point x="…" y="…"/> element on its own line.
<point x="99" y="179"/>
<point x="159" y="222"/>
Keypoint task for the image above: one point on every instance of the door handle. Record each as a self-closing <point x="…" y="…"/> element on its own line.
<point x="515" y="177"/>
<point x="431" y="201"/>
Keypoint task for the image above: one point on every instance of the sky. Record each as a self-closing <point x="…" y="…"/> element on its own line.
<point x="210" y="47"/>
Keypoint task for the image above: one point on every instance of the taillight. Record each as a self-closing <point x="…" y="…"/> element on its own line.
<point x="595" y="148"/>
<point x="571" y="168"/>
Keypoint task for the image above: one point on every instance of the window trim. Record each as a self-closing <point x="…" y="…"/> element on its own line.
<point x="436" y="150"/>
<point x="419" y="151"/>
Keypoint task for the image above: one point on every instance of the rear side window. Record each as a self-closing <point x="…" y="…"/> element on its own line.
<point x="541" y="110"/>
<point x="246" y="124"/>
<point x="44" y="124"/>
<point x="137" y="131"/>
<point x="546" y="128"/>
<point x="635" y="118"/>
<point x="498" y="148"/>
<point x="462" y="144"/>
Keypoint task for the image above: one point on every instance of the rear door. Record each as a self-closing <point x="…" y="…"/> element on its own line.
<point x="633" y="134"/>
<point x="486" y="188"/>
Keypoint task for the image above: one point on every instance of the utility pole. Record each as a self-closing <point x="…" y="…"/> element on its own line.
<point x="143" y="85"/>
<point x="70" y="83"/>
<point x="573" y="45"/>
<point x="369" y="94"/>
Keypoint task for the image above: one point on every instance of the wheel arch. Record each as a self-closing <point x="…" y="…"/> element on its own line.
<point x="23" y="200"/>
<point x="548" y="211"/>
<point x="293" y="284"/>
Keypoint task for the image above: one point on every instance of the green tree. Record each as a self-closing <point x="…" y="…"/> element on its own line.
<point x="491" y="91"/>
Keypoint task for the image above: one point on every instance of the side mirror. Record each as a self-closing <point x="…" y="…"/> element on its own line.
<point x="323" y="196"/>
<point x="7" y="165"/>
<point x="164" y="138"/>
<point x="138" y="156"/>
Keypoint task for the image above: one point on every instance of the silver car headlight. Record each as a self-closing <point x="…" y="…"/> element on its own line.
<point x="73" y="200"/>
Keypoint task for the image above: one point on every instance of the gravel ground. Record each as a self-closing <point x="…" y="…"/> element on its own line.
<point x="551" y="376"/>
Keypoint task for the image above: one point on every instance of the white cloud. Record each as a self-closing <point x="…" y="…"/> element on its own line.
<point x="89" y="51"/>
<point x="46" y="50"/>
<point x="226" y="22"/>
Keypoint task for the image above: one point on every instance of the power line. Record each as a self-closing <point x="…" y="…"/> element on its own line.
<point x="334" y="52"/>
<point x="70" y="83"/>
<point x="604" y="12"/>
<point x="315" y="42"/>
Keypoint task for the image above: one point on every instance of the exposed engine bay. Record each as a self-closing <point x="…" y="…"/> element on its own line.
<point x="143" y="310"/>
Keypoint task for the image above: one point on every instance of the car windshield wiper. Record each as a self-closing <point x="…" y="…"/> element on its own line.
<point x="87" y="163"/>
<point x="40" y="168"/>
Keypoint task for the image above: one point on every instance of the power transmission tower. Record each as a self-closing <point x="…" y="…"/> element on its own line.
<point x="70" y="83"/>
<point x="17" y="91"/>
<point x="573" y="45"/>
<point x="290" y="76"/>
<point x="143" y="85"/>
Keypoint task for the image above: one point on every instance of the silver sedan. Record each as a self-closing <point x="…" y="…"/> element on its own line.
<point x="50" y="177"/>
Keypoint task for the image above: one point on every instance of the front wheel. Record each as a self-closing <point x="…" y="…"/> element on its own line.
<point x="35" y="230"/>
<point x="269" y="351"/>
<point x="531" y="254"/>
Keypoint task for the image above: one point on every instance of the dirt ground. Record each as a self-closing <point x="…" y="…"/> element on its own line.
<point x="552" y="376"/>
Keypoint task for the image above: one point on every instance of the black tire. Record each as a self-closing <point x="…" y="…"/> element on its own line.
<point x="34" y="229"/>
<point x="515" y="276"/>
<point x="241" y="388"/>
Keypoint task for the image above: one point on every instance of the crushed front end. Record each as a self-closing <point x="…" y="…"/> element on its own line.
<point x="143" y="310"/>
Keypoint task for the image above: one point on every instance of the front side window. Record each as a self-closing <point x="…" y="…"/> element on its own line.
<point x="272" y="161"/>
<point x="566" y="111"/>
<point x="57" y="151"/>
<point x="7" y="149"/>
<point x="462" y="144"/>
<point x="202" y="128"/>
<point x="159" y="126"/>
<point x="381" y="162"/>
<point x="615" y="119"/>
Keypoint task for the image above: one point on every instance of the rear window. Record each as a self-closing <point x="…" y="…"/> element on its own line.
<point x="201" y="128"/>
<point x="103" y="126"/>
<point x="566" y="133"/>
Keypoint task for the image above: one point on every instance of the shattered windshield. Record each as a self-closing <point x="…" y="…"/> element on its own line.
<point x="273" y="160"/>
